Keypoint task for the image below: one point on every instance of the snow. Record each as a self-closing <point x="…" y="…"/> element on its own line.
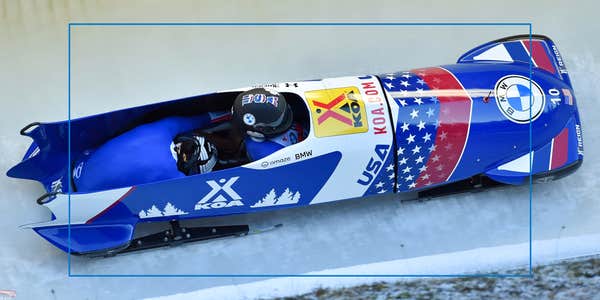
<point x="475" y="261"/>
<point x="117" y="67"/>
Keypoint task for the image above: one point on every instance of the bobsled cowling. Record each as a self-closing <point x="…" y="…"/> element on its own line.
<point x="418" y="132"/>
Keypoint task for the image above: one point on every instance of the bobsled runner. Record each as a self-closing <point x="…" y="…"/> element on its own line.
<point x="504" y="112"/>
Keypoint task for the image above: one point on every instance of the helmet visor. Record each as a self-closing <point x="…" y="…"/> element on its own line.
<point x="279" y="126"/>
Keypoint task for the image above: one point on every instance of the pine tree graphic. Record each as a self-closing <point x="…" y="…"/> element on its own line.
<point x="153" y="212"/>
<point x="271" y="199"/>
<point x="268" y="200"/>
<point x="285" y="197"/>
<point x="171" y="210"/>
<point x="296" y="198"/>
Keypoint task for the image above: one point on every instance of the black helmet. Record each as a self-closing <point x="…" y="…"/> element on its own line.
<point x="194" y="154"/>
<point x="262" y="113"/>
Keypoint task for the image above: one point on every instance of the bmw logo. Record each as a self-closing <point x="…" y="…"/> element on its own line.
<point x="517" y="101"/>
<point x="249" y="119"/>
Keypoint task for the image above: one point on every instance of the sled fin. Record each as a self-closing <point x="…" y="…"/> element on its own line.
<point x="86" y="238"/>
<point x="517" y="49"/>
<point x="46" y="159"/>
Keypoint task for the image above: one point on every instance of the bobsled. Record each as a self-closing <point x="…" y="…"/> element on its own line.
<point x="504" y="114"/>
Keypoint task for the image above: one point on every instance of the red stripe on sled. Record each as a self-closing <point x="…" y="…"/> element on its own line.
<point x="540" y="56"/>
<point x="560" y="149"/>
<point x="454" y="122"/>
<point x="111" y="206"/>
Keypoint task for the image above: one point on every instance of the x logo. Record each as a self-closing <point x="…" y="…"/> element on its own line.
<point x="332" y="114"/>
<point x="226" y="187"/>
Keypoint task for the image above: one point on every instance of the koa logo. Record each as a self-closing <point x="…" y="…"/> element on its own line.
<point x="216" y="198"/>
<point x="337" y="111"/>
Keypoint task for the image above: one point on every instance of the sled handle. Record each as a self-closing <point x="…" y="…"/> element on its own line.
<point x="24" y="130"/>
<point x="49" y="196"/>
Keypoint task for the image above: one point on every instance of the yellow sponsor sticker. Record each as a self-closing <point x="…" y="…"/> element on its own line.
<point x="337" y="111"/>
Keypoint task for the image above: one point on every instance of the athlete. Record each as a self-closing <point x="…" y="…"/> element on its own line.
<point x="265" y="120"/>
<point x="147" y="153"/>
<point x="262" y="124"/>
<point x="194" y="153"/>
<point x="204" y="150"/>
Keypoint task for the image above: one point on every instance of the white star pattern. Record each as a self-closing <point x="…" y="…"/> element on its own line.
<point x="414" y="113"/>
<point x="429" y="112"/>
<point x="427" y="138"/>
<point x="443" y="135"/>
<point x="404" y="127"/>
<point x="416" y="149"/>
<point x="390" y="168"/>
<point x="417" y="129"/>
<point x="419" y="160"/>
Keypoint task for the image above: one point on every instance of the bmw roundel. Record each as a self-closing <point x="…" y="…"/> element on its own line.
<point x="519" y="101"/>
<point x="249" y="119"/>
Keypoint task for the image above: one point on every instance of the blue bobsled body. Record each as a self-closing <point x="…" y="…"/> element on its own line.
<point x="406" y="132"/>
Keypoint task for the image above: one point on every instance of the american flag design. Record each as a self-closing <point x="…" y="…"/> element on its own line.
<point x="432" y="126"/>
<point x="568" y="96"/>
<point x="559" y="150"/>
<point x="538" y="52"/>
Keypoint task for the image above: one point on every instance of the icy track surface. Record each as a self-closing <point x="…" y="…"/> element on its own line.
<point x="467" y="262"/>
<point x="120" y="67"/>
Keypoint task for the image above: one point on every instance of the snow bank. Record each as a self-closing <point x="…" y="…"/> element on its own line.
<point x="462" y="262"/>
